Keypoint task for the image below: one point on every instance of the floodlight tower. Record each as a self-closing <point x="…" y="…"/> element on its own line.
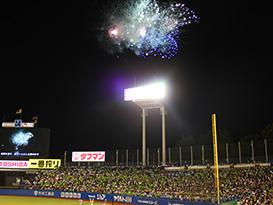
<point x="148" y="97"/>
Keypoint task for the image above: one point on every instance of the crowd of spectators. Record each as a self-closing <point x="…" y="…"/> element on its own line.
<point x="247" y="185"/>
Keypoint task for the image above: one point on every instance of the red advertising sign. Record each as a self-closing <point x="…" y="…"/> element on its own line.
<point x="96" y="156"/>
<point x="14" y="164"/>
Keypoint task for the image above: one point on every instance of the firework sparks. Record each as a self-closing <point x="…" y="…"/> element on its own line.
<point x="21" y="139"/>
<point x="147" y="28"/>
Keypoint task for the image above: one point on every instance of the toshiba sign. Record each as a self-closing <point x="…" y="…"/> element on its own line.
<point x="14" y="164"/>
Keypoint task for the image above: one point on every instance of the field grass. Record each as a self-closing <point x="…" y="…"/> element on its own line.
<point x="24" y="200"/>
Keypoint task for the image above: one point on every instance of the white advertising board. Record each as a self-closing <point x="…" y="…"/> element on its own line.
<point x="87" y="156"/>
<point x="8" y="124"/>
<point x="28" y="124"/>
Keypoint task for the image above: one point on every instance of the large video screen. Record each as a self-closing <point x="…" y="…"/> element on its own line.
<point x="24" y="143"/>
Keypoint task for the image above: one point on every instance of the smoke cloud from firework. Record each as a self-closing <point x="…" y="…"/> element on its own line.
<point x="146" y="28"/>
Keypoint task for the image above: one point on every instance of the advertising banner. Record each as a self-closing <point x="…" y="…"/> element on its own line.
<point x="8" y="124"/>
<point x="96" y="156"/>
<point x="14" y="164"/>
<point x="98" y="197"/>
<point x="27" y="124"/>
<point x="18" y="123"/>
<point x="44" y="163"/>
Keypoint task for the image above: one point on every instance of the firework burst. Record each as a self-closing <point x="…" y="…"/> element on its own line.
<point x="146" y="28"/>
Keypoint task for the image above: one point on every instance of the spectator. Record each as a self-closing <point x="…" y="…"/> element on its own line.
<point x="247" y="185"/>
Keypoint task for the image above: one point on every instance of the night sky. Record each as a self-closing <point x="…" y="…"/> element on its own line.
<point x="53" y="65"/>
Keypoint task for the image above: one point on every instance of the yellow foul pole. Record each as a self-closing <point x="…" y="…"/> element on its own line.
<point x="215" y="154"/>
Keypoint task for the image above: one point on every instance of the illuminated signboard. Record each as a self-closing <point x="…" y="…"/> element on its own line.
<point x="8" y="124"/>
<point x="96" y="156"/>
<point x="27" y="124"/>
<point x="14" y="164"/>
<point x="18" y="123"/>
<point x="155" y="91"/>
<point x="44" y="163"/>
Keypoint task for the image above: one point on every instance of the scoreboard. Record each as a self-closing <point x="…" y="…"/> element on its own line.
<point x="24" y="143"/>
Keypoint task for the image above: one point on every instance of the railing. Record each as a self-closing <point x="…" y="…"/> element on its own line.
<point x="229" y="153"/>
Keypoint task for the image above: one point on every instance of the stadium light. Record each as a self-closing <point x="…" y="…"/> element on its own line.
<point x="148" y="97"/>
<point x="150" y="92"/>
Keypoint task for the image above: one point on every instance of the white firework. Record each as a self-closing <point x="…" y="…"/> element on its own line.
<point x="146" y="28"/>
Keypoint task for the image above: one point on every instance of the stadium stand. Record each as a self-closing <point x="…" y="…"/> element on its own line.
<point x="246" y="185"/>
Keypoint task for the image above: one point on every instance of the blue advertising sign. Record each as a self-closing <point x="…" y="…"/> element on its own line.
<point x="18" y="123"/>
<point x="98" y="197"/>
